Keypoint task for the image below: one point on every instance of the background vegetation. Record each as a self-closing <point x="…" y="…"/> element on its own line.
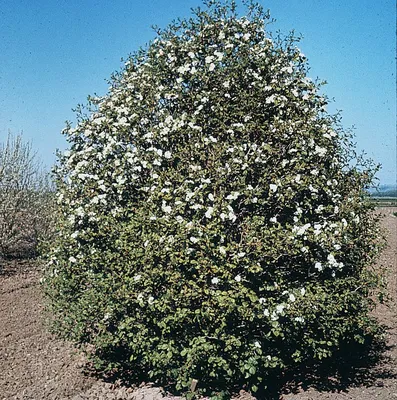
<point x="26" y="200"/>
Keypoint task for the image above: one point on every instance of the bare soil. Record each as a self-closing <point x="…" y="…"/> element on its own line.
<point x="37" y="366"/>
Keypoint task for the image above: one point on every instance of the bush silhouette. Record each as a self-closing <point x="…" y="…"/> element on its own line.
<point x="213" y="219"/>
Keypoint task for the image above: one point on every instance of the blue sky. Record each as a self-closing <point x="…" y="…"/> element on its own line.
<point x="53" y="53"/>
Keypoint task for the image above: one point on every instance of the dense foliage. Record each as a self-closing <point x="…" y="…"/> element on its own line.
<point x="213" y="218"/>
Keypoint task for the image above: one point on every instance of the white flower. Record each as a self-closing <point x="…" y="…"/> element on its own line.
<point x="222" y="250"/>
<point x="273" y="219"/>
<point x="209" y="212"/>
<point x="318" y="266"/>
<point x="232" y="216"/>
<point x="257" y="344"/>
<point x="246" y="36"/>
<point x="165" y="208"/>
<point x="167" y="154"/>
<point x="237" y="278"/>
<point x="274" y="316"/>
<point x="292" y="298"/>
<point x="317" y="229"/>
<point x="313" y="189"/>
<point x="266" y="312"/>
<point x="280" y="308"/>
<point x="211" y="67"/>
<point x="241" y="254"/>
<point x="321" y="151"/>
<point x="270" y="99"/>
<point x="215" y="280"/>
<point x="193" y="239"/>
<point x="179" y="218"/>
<point x="150" y="300"/>
<point x="319" y="208"/>
<point x="211" y="197"/>
<point x="233" y="196"/>
<point x="189" y="195"/>
<point x="137" y="277"/>
<point x="189" y="225"/>
<point x="331" y="259"/>
<point x="219" y="55"/>
<point x="299" y="319"/>
<point x="273" y="187"/>
<point x="209" y="59"/>
<point x="300" y="230"/>
<point x="72" y="259"/>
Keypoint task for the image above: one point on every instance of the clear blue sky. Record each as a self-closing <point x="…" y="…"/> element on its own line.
<point x="53" y="53"/>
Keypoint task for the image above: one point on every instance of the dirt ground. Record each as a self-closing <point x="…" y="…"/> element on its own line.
<point x="37" y="366"/>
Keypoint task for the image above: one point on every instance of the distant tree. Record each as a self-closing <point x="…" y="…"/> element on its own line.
<point x="386" y="193"/>
<point x="25" y="199"/>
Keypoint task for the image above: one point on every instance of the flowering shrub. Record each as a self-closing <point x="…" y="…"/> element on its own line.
<point x="213" y="220"/>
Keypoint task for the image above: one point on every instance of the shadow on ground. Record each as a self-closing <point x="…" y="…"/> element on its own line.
<point x="353" y="366"/>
